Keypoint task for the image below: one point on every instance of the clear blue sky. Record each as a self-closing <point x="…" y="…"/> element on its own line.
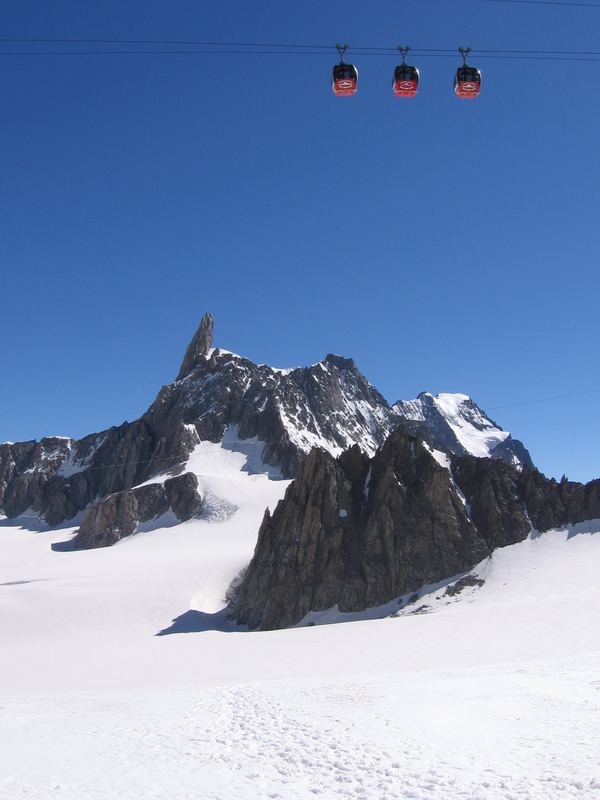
<point x="445" y="245"/>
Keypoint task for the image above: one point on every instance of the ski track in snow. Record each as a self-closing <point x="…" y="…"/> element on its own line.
<point x="455" y="736"/>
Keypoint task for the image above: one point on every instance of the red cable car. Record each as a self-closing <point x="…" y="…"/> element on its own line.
<point x="406" y="77"/>
<point x="406" y="81"/>
<point x="467" y="83"/>
<point x="344" y="80"/>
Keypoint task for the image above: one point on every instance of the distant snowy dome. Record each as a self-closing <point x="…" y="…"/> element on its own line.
<point x="456" y="424"/>
<point x="477" y="434"/>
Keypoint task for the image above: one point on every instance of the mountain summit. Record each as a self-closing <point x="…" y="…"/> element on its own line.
<point x="220" y="396"/>
<point x="459" y="426"/>
<point x="199" y="347"/>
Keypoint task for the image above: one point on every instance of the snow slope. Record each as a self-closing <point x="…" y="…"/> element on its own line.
<point x="492" y="694"/>
<point x="476" y="433"/>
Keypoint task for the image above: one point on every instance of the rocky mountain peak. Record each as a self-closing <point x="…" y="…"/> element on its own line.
<point x="339" y="361"/>
<point x="199" y="348"/>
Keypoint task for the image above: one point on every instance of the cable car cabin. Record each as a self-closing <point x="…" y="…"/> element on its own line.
<point x="344" y="80"/>
<point x="467" y="83"/>
<point x="406" y="81"/>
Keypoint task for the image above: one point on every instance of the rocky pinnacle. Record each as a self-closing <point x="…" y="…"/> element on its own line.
<point x="199" y="346"/>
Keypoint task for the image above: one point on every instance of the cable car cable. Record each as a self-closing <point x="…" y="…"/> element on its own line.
<point x="224" y="48"/>
<point x="543" y="399"/>
<point x="161" y="53"/>
<point x="165" y="41"/>
<point x="283" y="46"/>
<point x="484" y="55"/>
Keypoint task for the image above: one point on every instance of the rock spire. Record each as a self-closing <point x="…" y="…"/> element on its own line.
<point x="199" y="347"/>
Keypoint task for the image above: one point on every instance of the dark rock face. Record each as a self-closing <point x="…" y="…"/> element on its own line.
<point x="552" y="503"/>
<point x="495" y="501"/>
<point x="60" y="481"/>
<point x="119" y="514"/>
<point x="183" y="497"/>
<point x="513" y="451"/>
<point x="505" y="503"/>
<point x="34" y="459"/>
<point x="357" y="532"/>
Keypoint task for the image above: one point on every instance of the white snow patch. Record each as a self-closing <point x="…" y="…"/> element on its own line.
<point x="191" y="428"/>
<point x="221" y="351"/>
<point x="280" y="370"/>
<point x="166" y="520"/>
<point x="71" y="465"/>
<point x="442" y="458"/>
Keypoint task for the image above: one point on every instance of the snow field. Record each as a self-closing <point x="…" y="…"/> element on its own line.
<point x="526" y="733"/>
<point x="493" y="694"/>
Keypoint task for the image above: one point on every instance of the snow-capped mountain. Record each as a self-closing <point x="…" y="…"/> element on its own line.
<point x="329" y="405"/>
<point x="455" y="424"/>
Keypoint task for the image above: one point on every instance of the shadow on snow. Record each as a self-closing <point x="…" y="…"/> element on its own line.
<point x="200" y="622"/>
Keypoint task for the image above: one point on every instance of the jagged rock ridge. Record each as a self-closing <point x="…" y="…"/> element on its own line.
<point x="358" y="532"/>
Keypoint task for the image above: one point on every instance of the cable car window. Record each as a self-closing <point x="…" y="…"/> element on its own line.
<point x="469" y="74"/>
<point x="344" y="71"/>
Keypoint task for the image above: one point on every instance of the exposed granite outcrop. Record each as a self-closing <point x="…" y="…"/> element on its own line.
<point x="59" y="481"/>
<point x="357" y="532"/>
<point x="34" y="459"/>
<point x="551" y="503"/>
<point x="506" y="503"/>
<point x="119" y="514"/>
<point x="183" y="496"/>
<point x="495" y="502"/>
